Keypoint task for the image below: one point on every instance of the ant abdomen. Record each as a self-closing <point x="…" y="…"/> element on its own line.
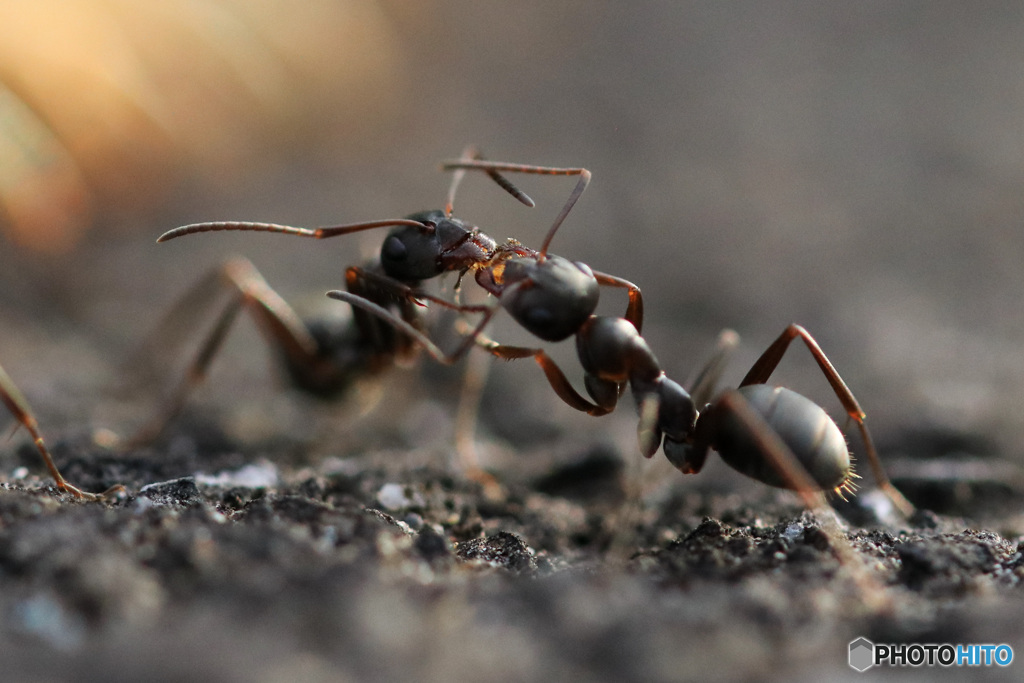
<point x="803" y="426"/>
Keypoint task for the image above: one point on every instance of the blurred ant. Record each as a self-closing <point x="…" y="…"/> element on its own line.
<point x="19" y="407"/>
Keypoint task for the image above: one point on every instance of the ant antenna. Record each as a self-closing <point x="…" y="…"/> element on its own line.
<point x="316" y="233"/>
<point x="469" y="155"/>
<point x="577" y="191"/>
<point x="492" y="169"/>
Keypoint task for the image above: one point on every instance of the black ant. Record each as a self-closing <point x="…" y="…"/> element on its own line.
<point x="18" y="406"/>
<point x="769" y="433"/>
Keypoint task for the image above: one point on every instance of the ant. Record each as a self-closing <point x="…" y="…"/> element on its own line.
<point x="19" y="408"/>
<point x="769" y="433"/>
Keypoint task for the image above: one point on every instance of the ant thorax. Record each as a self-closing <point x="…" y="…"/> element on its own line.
<point x="490" y="274"/>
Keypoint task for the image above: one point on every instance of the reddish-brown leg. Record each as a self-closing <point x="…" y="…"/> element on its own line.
<point x="797" y="478"/>
<point x="416" y="334"/>
<point x="19" y="407"/>
<point x="556" y="378"/>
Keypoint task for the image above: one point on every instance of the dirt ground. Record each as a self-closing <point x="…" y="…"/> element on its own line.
<point x="223" y="563"/>
<point x="854" y="170"/>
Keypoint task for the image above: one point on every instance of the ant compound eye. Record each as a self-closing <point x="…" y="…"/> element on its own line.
<point x="410" y="255"/>
<point x="393" y="249"/>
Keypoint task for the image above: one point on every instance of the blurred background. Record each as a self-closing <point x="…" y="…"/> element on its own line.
<point x="854" y="168"/>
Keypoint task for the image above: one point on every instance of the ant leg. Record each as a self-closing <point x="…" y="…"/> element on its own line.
<point x="172" y="331"/>
<point x="471" y="153"/>
<point x="370" y="284"/>
<point x="702" y="388"/>
<point x="477" y="368"/>
<point x="404" y="324"/>
<point x="489" y="166"/>
<point x="275" y="319"/>
<point x="769" y="360"/>
<point x="365" y="288"/>
<point x="378" y="288"/>
<point x="635" y="308"/>
<point x="415" y="334"/>
<point x="648" y="433"/>
<point x="19" y="407"/>
<point x="774" y="449"/>
<point x="556" y="378"/>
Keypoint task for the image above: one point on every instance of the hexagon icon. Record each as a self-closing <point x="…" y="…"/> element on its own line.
<point x="862" y="654"/>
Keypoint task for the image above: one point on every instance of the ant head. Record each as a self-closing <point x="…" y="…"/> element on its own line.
<point x="556" y="296"/>
<point x="441" y="244"/>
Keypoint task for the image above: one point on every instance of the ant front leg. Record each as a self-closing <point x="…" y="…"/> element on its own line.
<point x="381" y="334"/>
<point x="769" y="360"/>
<point x="556" y="378"/>
<point x="403" y="325"/>
<point x="19" y="407"/>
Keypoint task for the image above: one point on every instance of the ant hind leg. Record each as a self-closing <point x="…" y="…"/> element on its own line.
<point x="797" y="478"/>
<point x="702" y="387"/>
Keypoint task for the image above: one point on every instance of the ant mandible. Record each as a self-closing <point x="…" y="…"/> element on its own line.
<point x="19" y="408"/>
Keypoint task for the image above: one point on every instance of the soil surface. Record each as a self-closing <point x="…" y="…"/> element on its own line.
<point x="222" y="564"/>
